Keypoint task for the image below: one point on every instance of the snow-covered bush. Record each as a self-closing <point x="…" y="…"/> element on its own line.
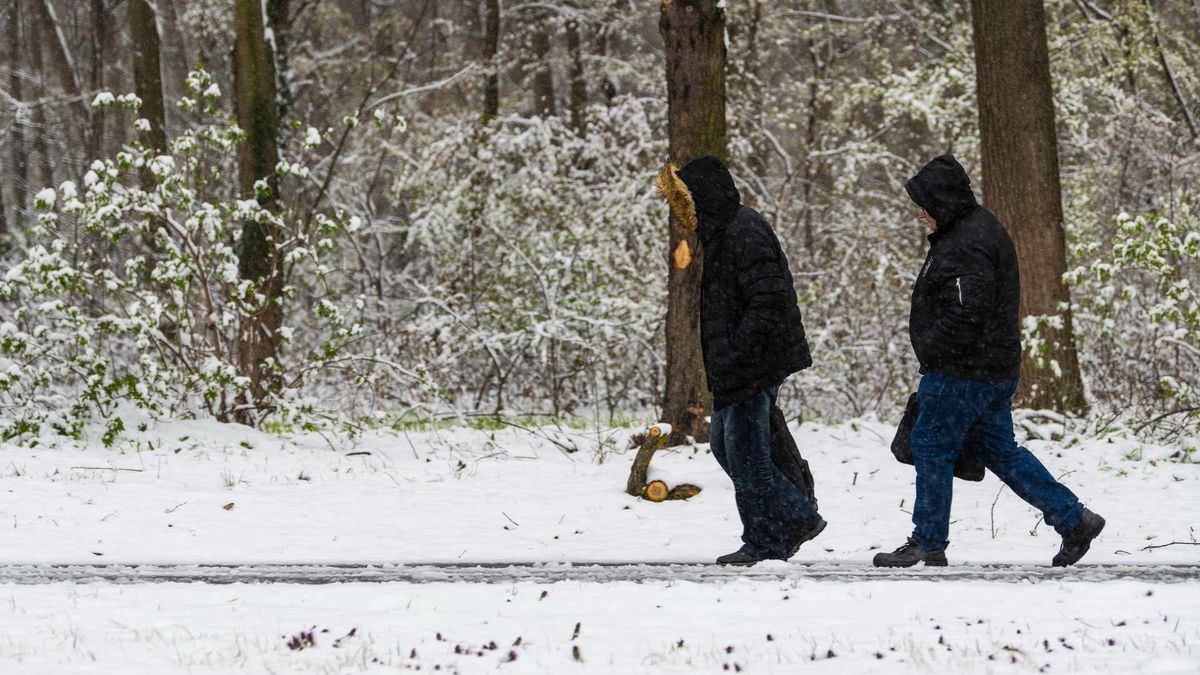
<point x="1139" y="317"/>
<point x="128" y="292"/>
<point x="530" y="269"/>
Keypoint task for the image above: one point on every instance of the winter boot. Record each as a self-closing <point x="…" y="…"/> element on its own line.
<point x="910" y="554"/>
<point x="807" y="535"/>
<point x="1079" y="540"/>
<point x="739" y="558"/>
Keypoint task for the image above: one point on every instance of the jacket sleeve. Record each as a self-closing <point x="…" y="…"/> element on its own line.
<point x="966" y="296"/>
<point x="765" y="289"/>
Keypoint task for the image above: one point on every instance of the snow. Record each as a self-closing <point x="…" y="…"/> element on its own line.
<point x="45" y="199"/>
<point x="672" y="627"/>
<point x="478" y="495"/>
<point x="103" y="99"/>
<point x="449" y="495"/>
<point x="312" y="138"/>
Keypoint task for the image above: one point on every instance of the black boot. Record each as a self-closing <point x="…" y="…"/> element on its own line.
<point x="738" y="558"/>
<point x="1079" y="540"/>
<point x="808" y="535"/>
<point x="910" y="554"/>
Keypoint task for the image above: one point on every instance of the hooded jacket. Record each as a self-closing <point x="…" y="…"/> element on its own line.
<point x="751" y="330"/>
<point x="966" y="299"/>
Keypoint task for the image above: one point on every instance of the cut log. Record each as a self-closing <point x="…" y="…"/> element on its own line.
<point x="656" y="491"/>
<point x="683" y="491"/>
<point x="648" y="443"/>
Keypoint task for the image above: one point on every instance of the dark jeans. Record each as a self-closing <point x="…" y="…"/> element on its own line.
<point x="953" y="410"/>
<point x="773" y="510"/>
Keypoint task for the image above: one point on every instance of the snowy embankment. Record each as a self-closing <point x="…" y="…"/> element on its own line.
<point x="203" y="492"/>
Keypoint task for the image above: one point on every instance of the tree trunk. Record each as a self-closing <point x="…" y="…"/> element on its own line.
<point x="257" y="114"/>
<point x="279" y="21"/>
<point x="147" y="72"/>
<point x="99" y="16"/>
<point x="54" y="40"/>
<point x="19" y="176"/>
<point x="491" y="47"/>
<point x="605" y="85"/>
<point x="42" y="174"/>
<point x="694" y="40"/>
<point x="649" y="443"/>
<point x="543" y="76"/>
<point x="579" y="91"/>
<point x="175" y="62"/>
<point x="1021" y="184"/>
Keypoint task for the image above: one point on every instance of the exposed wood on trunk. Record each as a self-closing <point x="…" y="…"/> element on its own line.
<point x="648" y="443"/>
<point x="683" y="491"/>
<point x="656" y="491"/>
<point x="1022" y="184"/>
<point x="693" y="34"/>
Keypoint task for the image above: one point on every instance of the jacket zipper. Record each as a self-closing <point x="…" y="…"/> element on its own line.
<point x="958" y="282"/>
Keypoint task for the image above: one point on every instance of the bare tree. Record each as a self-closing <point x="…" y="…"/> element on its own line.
<point x="257" y="114"/>
<point x="19" y="155"/>
<point x="1022" y="183"/>
<point x="491" y="48"/>
<point x="693" y="33"/>
<point x="147" y="73"/>
<point x="579" y="90"/>
<point x="539" y="49"/>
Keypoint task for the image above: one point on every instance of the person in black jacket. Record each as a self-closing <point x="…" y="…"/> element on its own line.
<point x="964" y="329"/>
<point x="752" y="337"/>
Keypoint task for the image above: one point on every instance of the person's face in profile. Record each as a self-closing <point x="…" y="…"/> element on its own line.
<point x="924" y="215"/>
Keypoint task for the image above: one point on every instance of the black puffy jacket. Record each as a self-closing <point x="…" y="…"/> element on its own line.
<point x="751" y="330"/>
<point x="966" y="300"/>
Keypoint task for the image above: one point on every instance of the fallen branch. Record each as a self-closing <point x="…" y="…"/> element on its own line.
<point x="649" y="443"/>
<point x="106" y="468"/>
<point x="1174" y="543"/>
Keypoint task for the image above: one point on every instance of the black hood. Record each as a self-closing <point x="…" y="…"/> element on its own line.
<point x="942" y="188"/>
<point x="716" y="197"/>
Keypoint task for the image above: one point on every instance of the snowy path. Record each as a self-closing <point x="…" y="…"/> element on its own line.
<point x="604" y="572"/>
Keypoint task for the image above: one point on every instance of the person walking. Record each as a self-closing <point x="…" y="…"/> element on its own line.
<point x="752" y="338"/>
<point x="963" y="325"/>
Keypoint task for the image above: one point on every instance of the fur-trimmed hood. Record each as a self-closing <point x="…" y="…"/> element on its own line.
<point x="702" y="194"/>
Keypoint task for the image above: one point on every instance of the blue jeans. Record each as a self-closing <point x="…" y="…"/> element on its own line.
<point x="953" y="410"/>
<point x="773" y="510"/>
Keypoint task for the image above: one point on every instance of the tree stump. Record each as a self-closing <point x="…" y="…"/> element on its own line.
<point x="683" y="491"/>
<point x="656" y="491"/>
<point x="653" y="440"/>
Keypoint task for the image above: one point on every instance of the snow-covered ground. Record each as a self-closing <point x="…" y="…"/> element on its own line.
<point x="664" y="627"/>
<point x="204" y="492"/>
<point x="512" y="495"/>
